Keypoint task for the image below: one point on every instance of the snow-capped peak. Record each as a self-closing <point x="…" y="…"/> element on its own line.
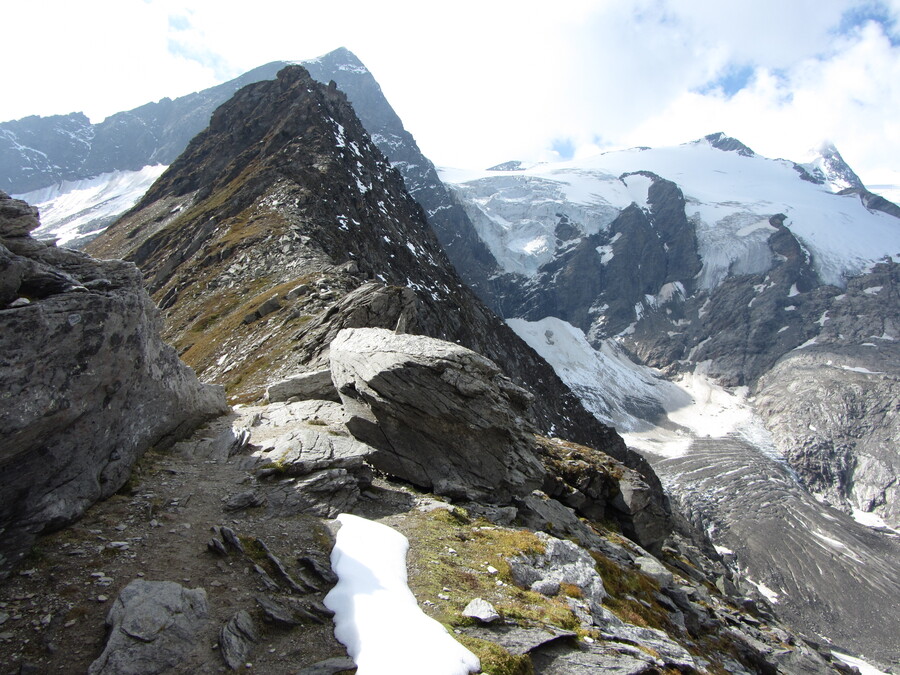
<point x="826" y="166"/>
<point x="720" y="141"/>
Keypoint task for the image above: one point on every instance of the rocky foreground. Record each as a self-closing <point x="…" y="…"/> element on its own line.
<point x="215" y="555"/>
<point x="87" y="382"/>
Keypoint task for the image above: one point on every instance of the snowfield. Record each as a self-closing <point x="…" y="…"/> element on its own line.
<point x="730" y="199"/>
<point x="73" y="209"/>
<point x="651" y="413"/>
<point x="377" y="617"/>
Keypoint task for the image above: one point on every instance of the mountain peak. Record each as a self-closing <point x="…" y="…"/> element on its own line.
<point x="721" y="141"/>
<point x="826" y="166"/>
<point x="339" y="59"/>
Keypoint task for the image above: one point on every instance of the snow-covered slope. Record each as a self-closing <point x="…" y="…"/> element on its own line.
<point x="75" y="211"/>
<point x="730" y="198"/>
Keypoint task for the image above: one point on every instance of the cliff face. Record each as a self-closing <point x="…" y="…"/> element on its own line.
<point x="88" y="383"/>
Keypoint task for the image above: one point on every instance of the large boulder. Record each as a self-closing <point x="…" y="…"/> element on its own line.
<point x="87" y="384"/>
<point x="154" y="627"/>
<point x="440" y="416"/>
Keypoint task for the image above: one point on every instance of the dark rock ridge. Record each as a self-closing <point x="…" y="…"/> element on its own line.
<point x="285" y="198"/>
<point x="725" y="143"/>
<point x="88" y="383"/>
<point x="472" y="259"/>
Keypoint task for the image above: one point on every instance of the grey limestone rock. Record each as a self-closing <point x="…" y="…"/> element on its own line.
<point x="561" y="562"/>
<point x="325" y="493"/>
<point x="155" y="625"/>
<point x="482" y="610"/>
<point x="519" y="639"/>
<point x="316" y="384"/>
<point x="236" y="639"/>
<point x="559" y="658"/>
<point x="655" y="570"/>
<point x="88" y="385"/>
<point x="440" y="415"/>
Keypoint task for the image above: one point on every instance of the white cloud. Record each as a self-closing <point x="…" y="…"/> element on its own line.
<point x="482" y="82"/>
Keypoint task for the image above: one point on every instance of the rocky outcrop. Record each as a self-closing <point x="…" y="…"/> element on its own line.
<point x="441" y="416"/>
<point x="154" y="627"/>
<point x="88" y="383"/>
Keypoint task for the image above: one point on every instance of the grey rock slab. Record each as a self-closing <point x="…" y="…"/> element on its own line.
<point x="537" y="511"/>
<point x="88" y="385"/>
<point x="328" y="666"/>
<point x="655" y="570"/>
<point x="441" y="416"/>
<point x="324" y="493"/>
<point x="154" y="626"/>
<point x="670" y="652"/>
<point x="571" y="658"/>
<point x="316" y="385"/>
<point x="275" y="612"/>
<point x="236" y="639"/>
<point x="518" y="639"/>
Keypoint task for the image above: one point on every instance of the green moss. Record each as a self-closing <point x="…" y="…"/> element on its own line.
<point x="254" y="549"/>
<point x="495" y="660"/>
<point x="632" y="595"/>
<point x="450" y="551"/>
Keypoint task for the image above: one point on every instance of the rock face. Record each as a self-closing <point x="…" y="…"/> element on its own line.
<point x="88" y="383"/>
<point x="154" y="627"/>
<point x="442" y="416"/>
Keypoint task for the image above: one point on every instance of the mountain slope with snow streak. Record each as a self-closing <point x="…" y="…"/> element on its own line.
<point x="700" y="298"/>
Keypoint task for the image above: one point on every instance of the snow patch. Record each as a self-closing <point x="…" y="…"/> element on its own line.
<point x="634" y="398"/>
<point x="376" y="615"/>
<point x="864" y="667"/>
<point x="67" y="208"/>
<point x="768" y="593"/>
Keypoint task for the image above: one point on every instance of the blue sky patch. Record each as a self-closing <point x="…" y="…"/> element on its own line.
<point x="859" y="16"/>
<point x="731" y="81"/>
<point x="564" y="147"/>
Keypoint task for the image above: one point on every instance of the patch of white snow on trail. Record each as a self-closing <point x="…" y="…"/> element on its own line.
<point x="633" y="398"/>
<point x="864" y="667"/>
<point x="67" y="206"/>
<point x="376" y="616"/>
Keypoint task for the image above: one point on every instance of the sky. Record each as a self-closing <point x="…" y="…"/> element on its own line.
<point x="482" y="82"/>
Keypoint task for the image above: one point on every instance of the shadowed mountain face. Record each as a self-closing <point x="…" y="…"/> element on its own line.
<point x="282" y="223"/>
